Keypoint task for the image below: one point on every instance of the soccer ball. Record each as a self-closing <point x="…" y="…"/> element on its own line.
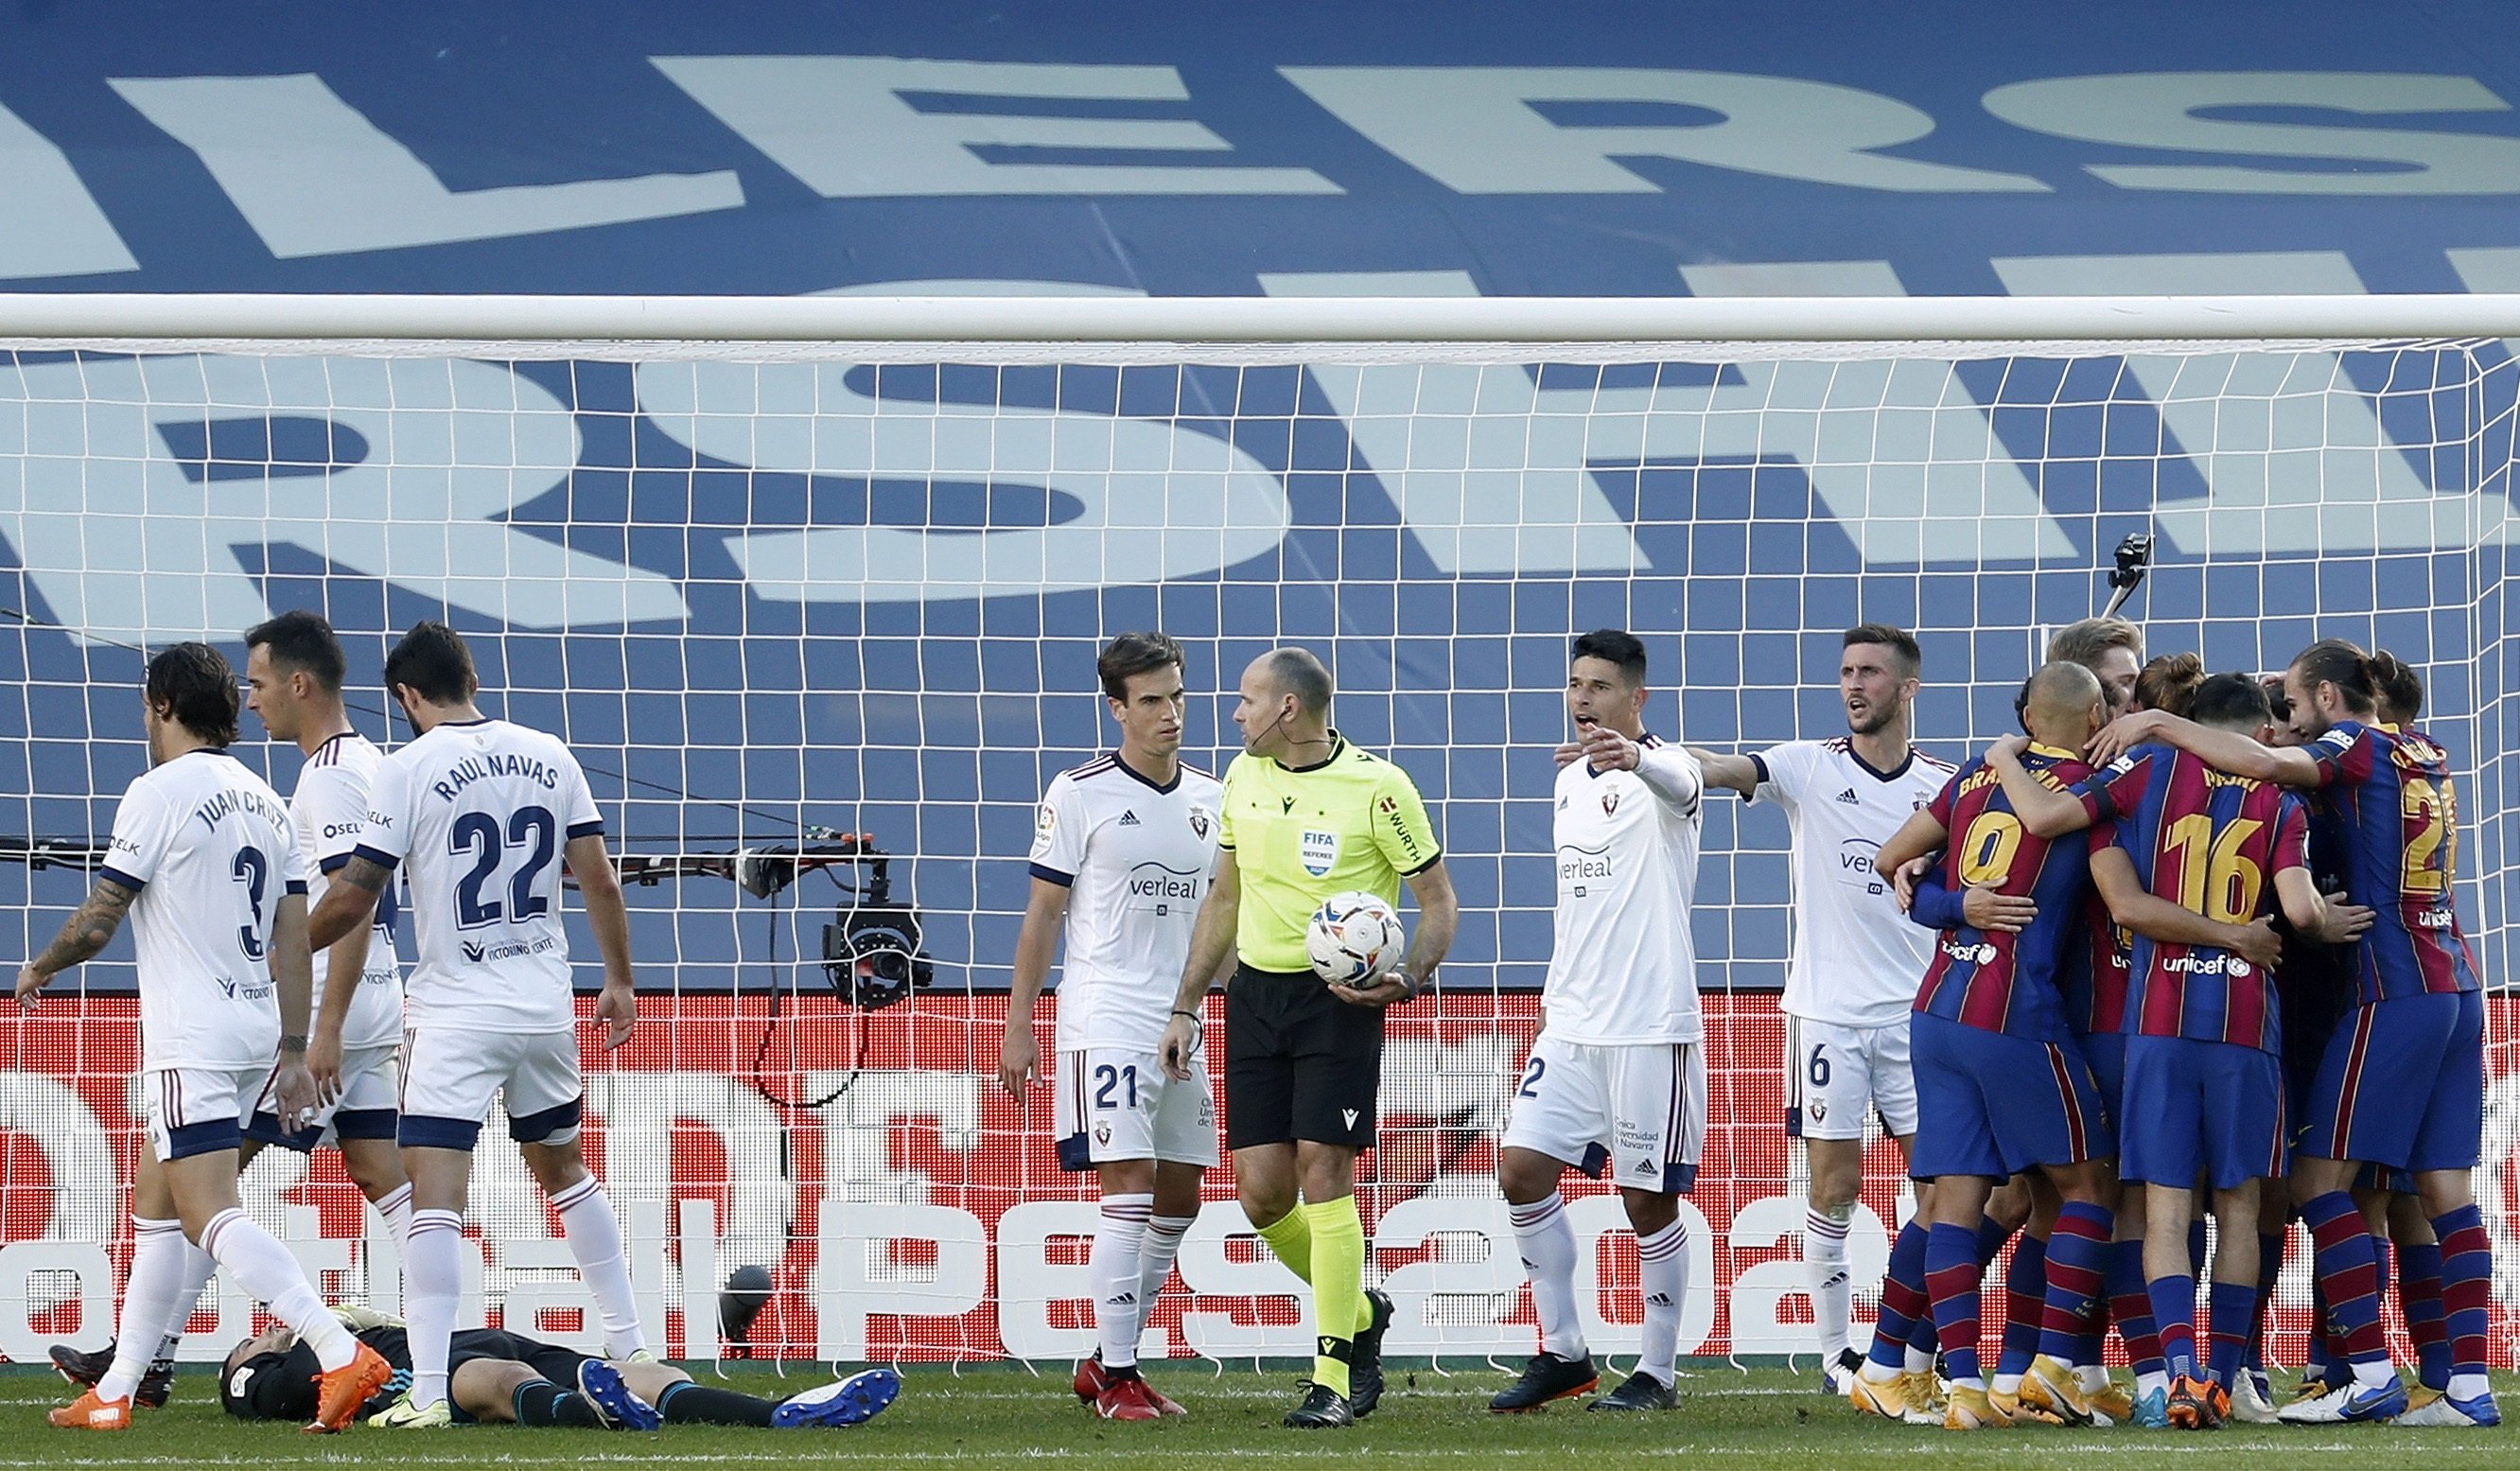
<point x="1353" y="938"/>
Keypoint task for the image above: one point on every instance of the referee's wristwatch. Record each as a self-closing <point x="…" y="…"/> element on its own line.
<point x="1414" y="985"/>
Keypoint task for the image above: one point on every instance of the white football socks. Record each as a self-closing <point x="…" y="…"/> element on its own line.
<point x="595" y="1240"/>
<point x="1833" y="1288"/>
<point x="1118" y="1265"/>
<point x="151" y="1296"/>
<point x="266" y="1271"/>
<point x="431" y="1281"/>
<point x="1546" y="1241"/>
<point x="1662" y="1261"/>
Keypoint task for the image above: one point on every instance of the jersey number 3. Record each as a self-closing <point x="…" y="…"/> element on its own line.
<point x="531" y="831"/>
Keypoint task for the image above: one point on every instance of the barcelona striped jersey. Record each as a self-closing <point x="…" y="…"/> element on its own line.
<point x="2212" y="843"/>
<point x="2095" y="977"/>
<point x="2390" y="789"/>
<point x="2000" y="982"/>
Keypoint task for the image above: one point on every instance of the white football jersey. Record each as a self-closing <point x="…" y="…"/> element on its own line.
<point x="479" y="811"/>
<point x="207" y="846"/>
<point x="1624" y="969"/>
<point x="1136" y="859"/>
<point x="1857" y="959"/>
<point x="330" y="810"/>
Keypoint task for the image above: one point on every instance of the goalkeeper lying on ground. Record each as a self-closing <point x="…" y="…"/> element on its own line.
<point x="508" y="1378"/>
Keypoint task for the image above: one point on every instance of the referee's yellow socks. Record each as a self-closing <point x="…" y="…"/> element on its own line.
<point x="1338" y="1285"/>
<point x="1290" y="1236"/>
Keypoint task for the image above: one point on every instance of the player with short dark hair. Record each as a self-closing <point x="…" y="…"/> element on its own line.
<point x="1121" y="853"/>
<point x="204" y="860"/>
<point x="1615" y="1084"/>
<point x="1851" y="980"/>
<point x="509" y="1378"/>
<point x="485" y="812"/>
<point x="1305" y="815"/>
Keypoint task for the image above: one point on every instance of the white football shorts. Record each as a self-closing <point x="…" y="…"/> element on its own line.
<point x="1116" y="1103"/>
<point x="449" y="1077"/>
<point x="1633" y="1115"/>
<point x="1834" y="1073"/>
<point x="366" y="1109"/>
<point x="199" y="1110"/>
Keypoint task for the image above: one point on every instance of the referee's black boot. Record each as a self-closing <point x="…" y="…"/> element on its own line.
<point x="1641" y="1391"/>
<point x="1325" y="1408"/>
<point x="1547" y="1377"/>
<point x="1365" y="1378"/>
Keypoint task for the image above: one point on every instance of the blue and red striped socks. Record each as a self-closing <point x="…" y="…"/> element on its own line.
<point x="2078" y="1257"/>
<point x="2466" y="1292"/>
<point x="2131" y="1304"/>
<point x="1902" y="1298"/>
<point x="2025" y="1296"/>
<point x="2230" y="1309"/>
<point x="2420" y="1299"/>
<point x="2174" y="1317"/>
<point x="1953" y="1273"/>
<point x="2349" y="1276"/>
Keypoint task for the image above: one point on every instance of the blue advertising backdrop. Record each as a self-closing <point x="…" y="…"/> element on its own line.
<point x="1802" y="149"/>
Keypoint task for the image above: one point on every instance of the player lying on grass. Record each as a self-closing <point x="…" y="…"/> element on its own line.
<point x="501" y="1378"/>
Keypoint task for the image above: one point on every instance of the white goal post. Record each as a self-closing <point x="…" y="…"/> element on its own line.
<point x="790" y="571"/>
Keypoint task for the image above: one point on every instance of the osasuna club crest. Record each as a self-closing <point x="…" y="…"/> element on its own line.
<point x="1320" y="850"/>
<point x="1198" y="823"/>
<point x="1609" y="801"/>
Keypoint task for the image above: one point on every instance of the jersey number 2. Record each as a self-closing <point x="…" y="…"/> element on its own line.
<point x="532" y="830"/>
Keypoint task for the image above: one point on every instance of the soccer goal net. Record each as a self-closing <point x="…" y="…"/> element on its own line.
<point x="814" y="590"/>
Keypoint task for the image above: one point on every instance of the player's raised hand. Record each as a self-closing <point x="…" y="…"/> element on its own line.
<point x="31" y="986"/>
<point x="1018" y="1060"/>
<point x="1569" y="753"/>
<point x="2121" y="735"/>
<point x="2007" y="747"/>
<point x="617" y="1007"/>
<point x="1989" y="909"/>
<point x="1904" y="882"/>
<point x="2258" y="943"/>
<point x="1182" y="1036"/>
<point x="1607" y="750"/>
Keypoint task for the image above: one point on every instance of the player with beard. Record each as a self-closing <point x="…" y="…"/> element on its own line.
<point x="1852" y="979"/>
<point x="2401" y="1084"/>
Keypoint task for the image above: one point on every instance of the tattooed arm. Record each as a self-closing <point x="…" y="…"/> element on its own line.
<point x="79" y="941"/>
<point x="348" y="900"/>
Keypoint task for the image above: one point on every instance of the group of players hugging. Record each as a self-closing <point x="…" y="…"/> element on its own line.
<point x="273" y="1011"/>
<point x="2184" y="948"/>
<point x="2192" y="946"/>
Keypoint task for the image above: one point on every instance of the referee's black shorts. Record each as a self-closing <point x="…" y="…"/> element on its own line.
<point x="1299" y="1062"/>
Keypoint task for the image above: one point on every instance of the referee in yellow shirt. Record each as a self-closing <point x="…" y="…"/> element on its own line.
<point x="1306" y="815"/>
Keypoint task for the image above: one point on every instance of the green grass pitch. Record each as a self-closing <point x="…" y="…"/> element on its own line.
<point x="999" y="1417"/>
